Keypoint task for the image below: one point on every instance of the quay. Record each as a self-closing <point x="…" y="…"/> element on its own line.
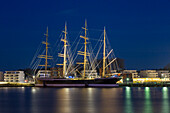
<point x="145" y="84"/>
<point x="11" y="84"/>
<point x="7" y="84"/>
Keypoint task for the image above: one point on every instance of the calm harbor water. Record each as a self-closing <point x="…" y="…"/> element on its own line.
<point x="84" y="100"/>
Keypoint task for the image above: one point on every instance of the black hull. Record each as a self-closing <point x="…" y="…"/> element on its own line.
<point x="110" y="82"/>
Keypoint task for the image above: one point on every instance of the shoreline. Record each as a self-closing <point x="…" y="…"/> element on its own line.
<point x="87" y="86"/>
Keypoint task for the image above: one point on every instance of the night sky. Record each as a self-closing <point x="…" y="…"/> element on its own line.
<point x="138" y="30"/>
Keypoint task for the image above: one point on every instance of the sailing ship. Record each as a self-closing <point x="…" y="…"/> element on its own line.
<point x="85" y="78"/>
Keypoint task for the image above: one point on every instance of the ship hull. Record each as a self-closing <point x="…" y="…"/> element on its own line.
<point x="98" y="82"/>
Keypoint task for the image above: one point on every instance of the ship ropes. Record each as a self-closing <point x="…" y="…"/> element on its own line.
<point x="86" y="54"/>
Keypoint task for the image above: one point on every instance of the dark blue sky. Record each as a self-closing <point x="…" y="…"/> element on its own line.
<point x="138" y="30"/>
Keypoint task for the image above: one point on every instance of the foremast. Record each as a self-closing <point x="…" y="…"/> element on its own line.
<point x="46" y="57"/>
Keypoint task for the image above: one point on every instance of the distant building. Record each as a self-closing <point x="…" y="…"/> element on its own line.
<point x="127" y="78"/>
<point x="14" y="76"/>
<point x="43" y="73"/>
<point x="90" y="73"/>
<point x="118" y="64"/>
<point x="115" y="72"/>
<point x="167" y="66"/>
<point x="148" y="74"/>
<point x="133" y="72"/>
<point x="163" y="73"/>
<point x="1" y="76"/>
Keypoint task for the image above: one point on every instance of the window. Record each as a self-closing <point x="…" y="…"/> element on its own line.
<point x="16" y="78"/>
<point x="16" y="75"/>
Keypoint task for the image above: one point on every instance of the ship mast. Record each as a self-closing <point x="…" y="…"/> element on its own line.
<point x="104" y="48"/>
<point x="65" y="47"/>
<point x="46" y="53"/>
<point x="85" y="48"/>
<point x="46" y="57"/>
<point x="65" y="51"/>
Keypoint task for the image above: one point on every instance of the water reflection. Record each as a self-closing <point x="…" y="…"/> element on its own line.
<point x="147" y="93"/>
<point x="147" y="102"/>
<point x="165" y="99"/>
<point x="85" y="100"/>
<point x="64" y="105"/>
<point x="33" y="90"/>
<point x="91" y="100"/>
<point x="128" y="101"/>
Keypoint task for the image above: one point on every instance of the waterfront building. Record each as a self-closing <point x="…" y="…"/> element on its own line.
<point x="163" y="73"/>
<point x="148" y="74"/>
<point x="1" y="76"/>
<point x="90" y="73"/>
<point x="133" y="72"/>
<point x="127" y="78"/>
<point x="150" y="80"/>
<point x="14" y="76"/>
<point x="44" y="73"/>
<point x="129" y="75"/>
<point x="115" y="73"/>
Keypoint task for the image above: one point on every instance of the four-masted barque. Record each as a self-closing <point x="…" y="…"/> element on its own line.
<point x="88" y="78"/>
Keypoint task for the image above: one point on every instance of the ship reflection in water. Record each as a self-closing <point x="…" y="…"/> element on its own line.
<point x="84" y="100"/>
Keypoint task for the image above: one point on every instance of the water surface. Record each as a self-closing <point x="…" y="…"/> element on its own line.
<point x="84" y="100"/>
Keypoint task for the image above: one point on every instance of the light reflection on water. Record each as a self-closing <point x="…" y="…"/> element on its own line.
<point x="65" y="101"/>
<point x="128" y="101"/>
<point x="165" y="99"/>
<point x="147" y="102"/>
<point x="84" y="100"/>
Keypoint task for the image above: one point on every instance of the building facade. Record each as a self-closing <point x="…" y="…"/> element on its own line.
<point x="89" y="73"/>
<point x="148" y="74"/>
<point x="14" y="76"/>
<point x="133" y="72"/>
<point x="43" y="73"/>
<point x="1" y="76"/>
<point x="163" y="73"/>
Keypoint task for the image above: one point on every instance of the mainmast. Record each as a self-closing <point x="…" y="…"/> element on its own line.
<point x="46" y="57"/>
<point x="46" y="53"/>
<point x="65" y="48"/>
<point x="104" y="49"/>
<point x="65" y="51"/>
<point x="85" y="48"/>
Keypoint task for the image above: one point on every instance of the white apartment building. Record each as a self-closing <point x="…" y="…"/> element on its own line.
<point x="148" y="74"/>
<point x="14" y="76"/>
<point x="163" y="73"/>
<point x="133" y="72"/>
